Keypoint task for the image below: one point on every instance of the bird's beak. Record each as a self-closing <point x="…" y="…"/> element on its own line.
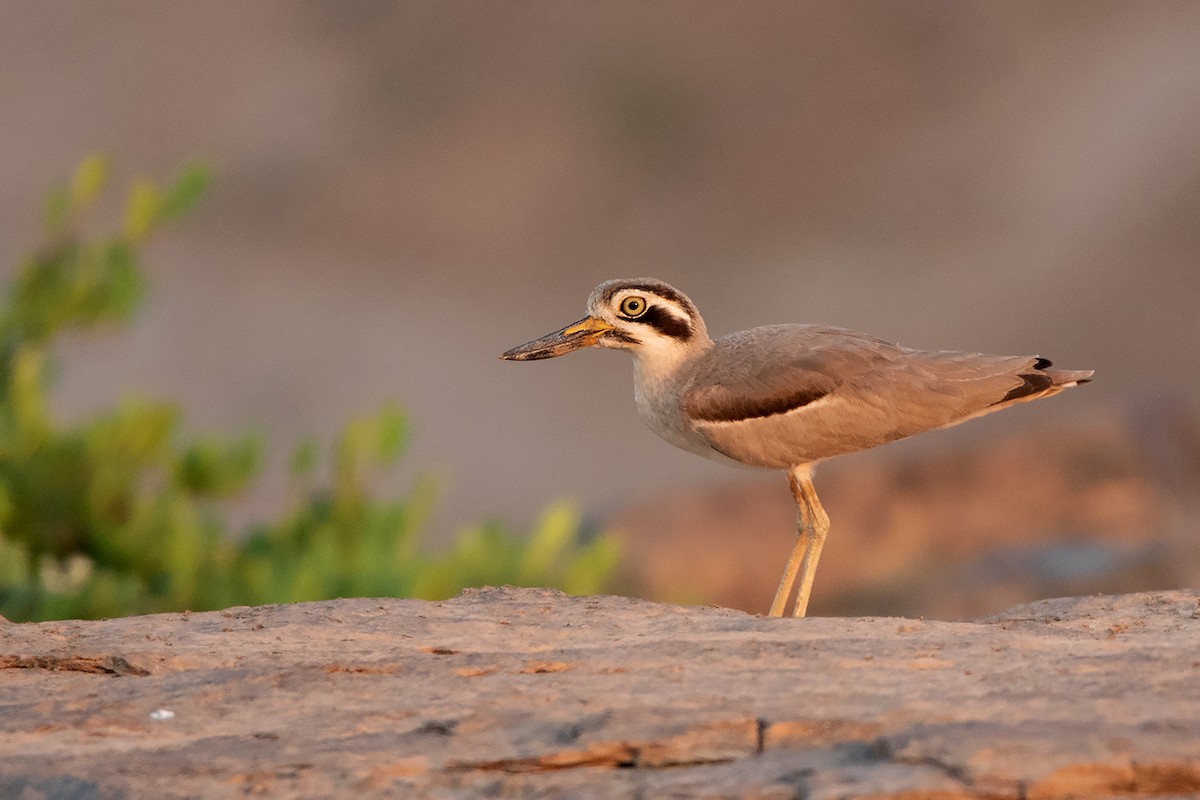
<point x="584" y="333"/>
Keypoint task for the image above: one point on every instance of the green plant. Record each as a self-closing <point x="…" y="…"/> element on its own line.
<point x="122" y="513"/>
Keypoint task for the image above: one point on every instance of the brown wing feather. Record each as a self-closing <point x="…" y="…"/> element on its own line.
<point x="776" y="369"/>
<point x="754" y="396"/>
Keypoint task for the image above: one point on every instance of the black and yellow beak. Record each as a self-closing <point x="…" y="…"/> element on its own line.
<point x="584" y="333"/>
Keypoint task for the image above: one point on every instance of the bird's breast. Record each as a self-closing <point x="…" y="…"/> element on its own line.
<point x="660" y="408"/>
<point x="657" y="397"/>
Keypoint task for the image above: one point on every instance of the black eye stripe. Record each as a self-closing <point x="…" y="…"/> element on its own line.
<point x="665" y="323"/>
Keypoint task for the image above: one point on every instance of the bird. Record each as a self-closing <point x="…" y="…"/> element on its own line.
<point x="788" y="396"/>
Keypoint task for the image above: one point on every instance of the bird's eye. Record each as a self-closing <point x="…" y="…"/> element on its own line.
<point x="633" y="306"/>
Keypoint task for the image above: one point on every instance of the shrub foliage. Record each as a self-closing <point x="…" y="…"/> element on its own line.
<point x="123" y="513"/>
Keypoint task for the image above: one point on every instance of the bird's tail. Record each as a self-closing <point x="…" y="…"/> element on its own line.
<point x="1066" y="378"/>
<point x="1039" y="380"/>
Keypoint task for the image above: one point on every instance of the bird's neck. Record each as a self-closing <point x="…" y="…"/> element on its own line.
<point x="660" y="361"/>
<point x="659" y="378"/>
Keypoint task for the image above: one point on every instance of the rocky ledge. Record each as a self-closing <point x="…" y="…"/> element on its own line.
<point x="524" y="692"/>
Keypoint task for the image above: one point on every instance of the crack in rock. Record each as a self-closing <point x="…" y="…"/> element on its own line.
<point x="100" y="665"/>
<point x="716" y="743"/>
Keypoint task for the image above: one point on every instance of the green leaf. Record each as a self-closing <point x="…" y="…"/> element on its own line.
<point x="144" y="210"/>
<point x="392" y="433"/>
<point x="125" y="282"/>
<point x="215" y="468"/>
<point x="58" y="210"/>
<point x="304" y="459"/>
<point x="90" y="178"/>
<point x="592" y="568"/>
<point x="187" y="190"/>
<point x="555" y="533"/>
<point x="26" y="401"/>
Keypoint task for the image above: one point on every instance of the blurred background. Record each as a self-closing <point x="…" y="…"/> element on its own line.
<point x="403" y="190"/>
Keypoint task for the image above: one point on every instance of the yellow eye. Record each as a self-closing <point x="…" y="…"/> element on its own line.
<point x="633" y="306"/>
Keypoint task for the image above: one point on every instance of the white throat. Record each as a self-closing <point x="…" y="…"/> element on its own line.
<point x="657" y="383"/>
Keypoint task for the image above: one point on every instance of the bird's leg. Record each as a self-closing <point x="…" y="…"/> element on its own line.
<point x="789" y="577"/>
<point x="811" y="526"/>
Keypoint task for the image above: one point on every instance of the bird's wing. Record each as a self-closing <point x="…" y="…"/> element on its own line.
<point x="776" y="369"/>
<point x="787" y="394"/>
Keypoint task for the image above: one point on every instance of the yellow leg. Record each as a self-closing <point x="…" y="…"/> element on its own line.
<point x="811" y="526"/>
<point x="789" y="576"/>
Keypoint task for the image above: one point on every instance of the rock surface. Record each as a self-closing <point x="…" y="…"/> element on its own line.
<point x="520" y="692"/>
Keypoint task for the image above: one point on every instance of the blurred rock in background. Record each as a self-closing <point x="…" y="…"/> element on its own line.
<point x="1107" y="503"/>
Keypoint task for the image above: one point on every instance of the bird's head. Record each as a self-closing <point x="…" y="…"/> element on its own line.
<point x="643" y="315"/>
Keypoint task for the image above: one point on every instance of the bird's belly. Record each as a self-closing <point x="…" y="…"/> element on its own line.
<point x="823" y="429"/>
